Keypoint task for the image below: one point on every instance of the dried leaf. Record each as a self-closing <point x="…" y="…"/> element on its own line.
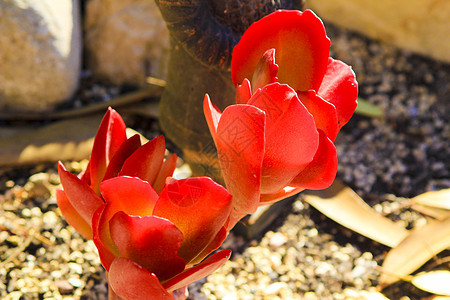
<point x="70" y="139"/>
<point x="438" y="199"/>
<point x="344" y="206"/>
<point x="145" y="109"/>
<point x="152" y="90"/>
<point x="417" y="248"/>
<point x="372" y="295"/>
<point x="7" y="131"/>
<point x="65" y="140"/>
<point x="435" y="282"/>
<point x="434" y="212"/>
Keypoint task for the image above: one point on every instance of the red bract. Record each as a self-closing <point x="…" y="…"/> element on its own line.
<point x="152" y="231"/>
<point x="292" y="100"/>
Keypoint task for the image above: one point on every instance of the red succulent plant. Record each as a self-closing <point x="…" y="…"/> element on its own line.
<point x="152" y="231"/>
<point x="291" y="101"/>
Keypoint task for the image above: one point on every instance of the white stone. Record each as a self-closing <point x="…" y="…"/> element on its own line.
<point x="422" y="26"/>
<point x="277" y="240"/>
<point x="275" y="288"/>
<point x="126" y="40"/>
<point x="40" y="53"/>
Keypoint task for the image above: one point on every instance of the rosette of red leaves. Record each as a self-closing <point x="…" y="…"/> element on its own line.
<point x="291" y="101"/>
<point x="152" y="231"/>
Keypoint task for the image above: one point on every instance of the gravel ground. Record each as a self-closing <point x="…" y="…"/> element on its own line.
<point x="303" y="255"/>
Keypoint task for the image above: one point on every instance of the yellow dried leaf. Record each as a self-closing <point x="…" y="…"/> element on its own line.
<point x="341" y="204"/>
<point x="434" y="212"/>
<point x="435" y="282"/>
<point x="417" y="248"/>
<point x="437" y="199"/>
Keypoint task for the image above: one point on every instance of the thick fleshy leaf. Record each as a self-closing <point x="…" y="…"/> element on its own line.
<point x="212" y="116"/>
<point x="240" y="145"/>
<point x="324" y="113"/>
<point x="107" y="250"/>
<point x="131" y="281"/>
<point x="199" y="271"/>
<point x="266" y="71"/>
<point x="85" y="175"/>
<point x="213" y="245"/>
<point x="80" y="195"/>
<point x="131" y="195"/>
<point x="150" y="241"/>
<point x="197" y="206"/>
<point x="72" y="216"/>
<point x="111" y="134"/>
<point x="288" y="123"/>
<point x="146" y="161"/>
<point x="321" y="172"/>
<point x="287" y="191"/>
<point x="300" y="43"/>
<point x="243" y="92"/>
<point x="167" y="169"/>
<point x="126" y="149"/>
<point x="339" y="87"/>
<point x="128" y="194"/>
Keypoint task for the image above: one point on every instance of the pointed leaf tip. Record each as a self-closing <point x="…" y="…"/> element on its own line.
<point x="266" y="71"/>
<point x="199" y="271"/>
<point x="81" y="197"/>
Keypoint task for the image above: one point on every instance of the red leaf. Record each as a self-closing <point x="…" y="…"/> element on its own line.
<point x="126" y="149"/>
<point x="321" y="172"/>
<point x="197" y="206"/>
<point x="243" y="92"/>
<point x="131" y="195"/>
<point x="324" y="113"/>
<point x="167" y="169"/>
<point x="283" y="194"/>
<point x="85" y="175"/>
<point x="240" y="145"/>
<point x="111" y="134"/>
<point x="72" y="216"/>
<point x="131" y="281"/>
<point x="213" y="245"/>
<point x="80" y="195"/>
<point x="339" y="87"/>
<point x="102" y="238"/>
<point x="266" y="71"/>
<point x="300" y="43"/>
<point x="212" y="115"/>
<point x="199" y="271"/>
<point x="128" y="194"/>
<point x="146" y="161"/>
<point x="150" y="241"/>
<point x="288" y="123"/>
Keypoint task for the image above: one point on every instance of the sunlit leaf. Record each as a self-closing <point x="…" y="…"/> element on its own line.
<point x="368" y="109"/>
<point x="64" y="140"/>
<point x="344" y="206"/>
<point x="372" y="295"/>
<point x="435" y="282"/>
<point x="434" y="212"/>
<point x="417" y="248"/>
<point x="128" y="99"/>
<point x="438" y="199"/>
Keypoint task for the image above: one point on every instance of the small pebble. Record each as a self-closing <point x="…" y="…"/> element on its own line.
<point x="64" y="287"/>
<point x="277" y="240"/>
